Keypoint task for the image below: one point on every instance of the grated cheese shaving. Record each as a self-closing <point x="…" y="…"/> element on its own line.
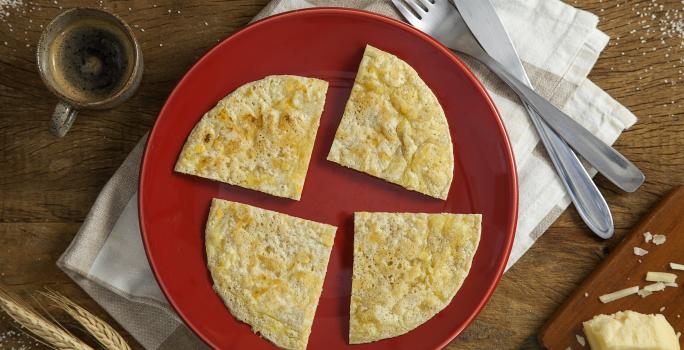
<point x="607" y="298"/>
<point x="580" y="340"/>
<point x="655" y="287"/>
<point x="639" y="251"/>
<point x="647" y="237"/>
<point x="671" y="284"/>
<point x="659" y="239"/>
<point x="644" y="293"/>
<point x="662" y="309"/>
<point x="676" y="266"/>
<point x="660" y="277"/>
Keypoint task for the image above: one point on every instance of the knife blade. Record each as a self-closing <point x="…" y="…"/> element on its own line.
<point x="486" y="26"/>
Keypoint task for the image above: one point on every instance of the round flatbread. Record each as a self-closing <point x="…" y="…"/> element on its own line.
<point x="407" y="268"/>
<point x="394" y="128"/>
<point x="268" y="268"/>
<point x="259" y="137"/>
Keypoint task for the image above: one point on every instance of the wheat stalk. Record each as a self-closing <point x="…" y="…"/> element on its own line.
<point x="109" y="338"/>
<point x="35" y="323"/>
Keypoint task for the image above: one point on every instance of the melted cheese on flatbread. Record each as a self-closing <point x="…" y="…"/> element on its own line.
<point x="394" y="128"/>
<point x="407" y="268"/>
<point x="260" y="136"/>
<point x="268" y="268"/>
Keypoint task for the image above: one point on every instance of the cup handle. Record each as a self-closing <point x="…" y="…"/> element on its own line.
<point x="62" y="118"/>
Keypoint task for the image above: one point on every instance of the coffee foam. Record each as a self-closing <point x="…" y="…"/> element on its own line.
<point x="90" y="60"/>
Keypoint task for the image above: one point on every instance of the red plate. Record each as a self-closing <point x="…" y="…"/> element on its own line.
<point x="326" y="44"/>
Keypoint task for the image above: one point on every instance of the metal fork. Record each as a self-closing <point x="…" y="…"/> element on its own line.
<point x="443" y="21"/>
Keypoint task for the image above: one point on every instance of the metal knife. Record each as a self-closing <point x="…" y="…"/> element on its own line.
<point x="481" y="18"/>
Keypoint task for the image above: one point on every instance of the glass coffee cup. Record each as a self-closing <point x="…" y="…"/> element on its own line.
<point x="89" y="59"/>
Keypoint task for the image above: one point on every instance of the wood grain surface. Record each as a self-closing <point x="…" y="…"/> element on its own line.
<point x="623" y="269"/>
<point x="47" y="184"/>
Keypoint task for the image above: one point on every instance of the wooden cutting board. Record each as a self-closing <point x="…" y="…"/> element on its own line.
<point x="622" y="269"/>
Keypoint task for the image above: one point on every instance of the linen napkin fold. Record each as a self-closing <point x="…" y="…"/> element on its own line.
<point x="558" y="44"/>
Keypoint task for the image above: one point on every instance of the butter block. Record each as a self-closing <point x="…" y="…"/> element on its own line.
<point x="629" y="330"/>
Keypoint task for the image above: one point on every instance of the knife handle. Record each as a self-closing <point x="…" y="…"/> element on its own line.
<point x="609" y="162"/>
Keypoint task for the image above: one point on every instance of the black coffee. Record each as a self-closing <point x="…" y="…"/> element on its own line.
<point x="91" y="60"/>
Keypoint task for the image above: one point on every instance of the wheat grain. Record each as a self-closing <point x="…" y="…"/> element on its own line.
<point x="109" y="338"/>
<point x="38" y="325"/>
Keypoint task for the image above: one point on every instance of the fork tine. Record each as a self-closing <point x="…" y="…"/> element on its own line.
<point x="426" y="3"/>
<point x="408" y="14"/>
<point x="414" y="5"/>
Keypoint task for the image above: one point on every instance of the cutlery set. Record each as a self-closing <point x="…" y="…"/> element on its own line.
<point x="473" y="28"/>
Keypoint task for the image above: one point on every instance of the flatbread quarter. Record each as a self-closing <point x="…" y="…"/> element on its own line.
<point x="259" y="137"/>
<point x="394" y="128"/>
<point x="268" y="268"/>
<point x="407" y="268"/>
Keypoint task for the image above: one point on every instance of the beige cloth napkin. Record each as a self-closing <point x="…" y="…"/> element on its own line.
<point x="559" y="45"/>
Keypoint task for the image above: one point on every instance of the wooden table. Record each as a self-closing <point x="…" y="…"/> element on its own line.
<point x="47" y="185"/>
